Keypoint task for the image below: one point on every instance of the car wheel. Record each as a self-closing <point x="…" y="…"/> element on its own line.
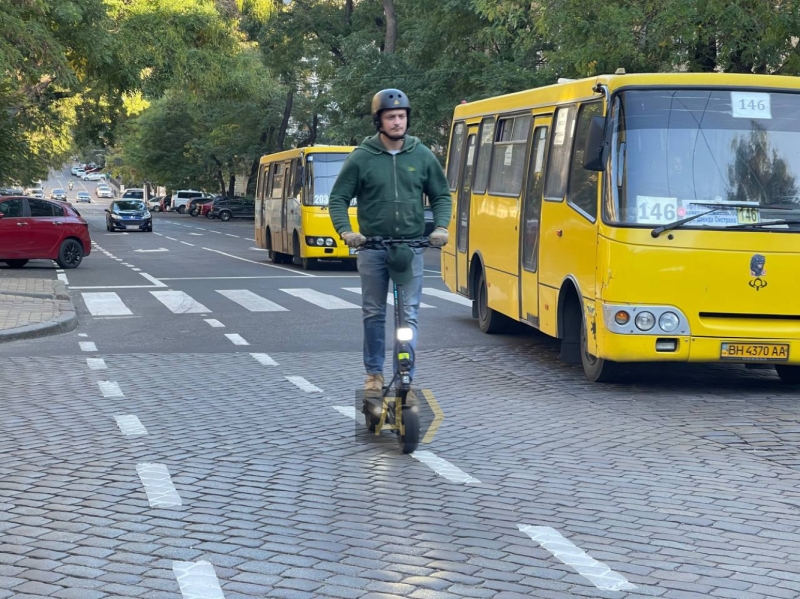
<point x="16" y="263"/>
<point x="209" y="215"/>
<point x="224" y="216"/>
<point x="181" y="209"/>
<point x="70" y="254"/>
<point x="193" y="212"/>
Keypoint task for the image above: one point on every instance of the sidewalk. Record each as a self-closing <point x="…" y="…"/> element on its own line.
<point x="34" y="308"/>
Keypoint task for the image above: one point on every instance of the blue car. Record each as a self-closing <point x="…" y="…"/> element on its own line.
<point x="128" y="214"/>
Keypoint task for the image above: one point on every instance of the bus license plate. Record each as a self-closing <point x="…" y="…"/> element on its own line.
<point x="760" y="352"/>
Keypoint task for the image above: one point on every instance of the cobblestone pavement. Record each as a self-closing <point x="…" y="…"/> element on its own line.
<point x="27" y="301"/>
<point x="229" y="477"/>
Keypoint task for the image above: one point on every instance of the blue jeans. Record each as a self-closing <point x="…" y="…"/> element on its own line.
<point x="375" y="285"/>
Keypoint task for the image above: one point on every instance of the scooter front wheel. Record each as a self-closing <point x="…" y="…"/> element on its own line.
<point x="409" y="440"/>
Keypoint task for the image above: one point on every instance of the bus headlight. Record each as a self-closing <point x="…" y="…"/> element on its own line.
<point x="645" y="321"/>
<point x="328" y="241"/>
<point x="405" y="334"/>
<point x="668" y="322"/>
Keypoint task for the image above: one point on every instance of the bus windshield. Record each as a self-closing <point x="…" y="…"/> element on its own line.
<point x="677" y="153"/>
<point x="322" y="171"/>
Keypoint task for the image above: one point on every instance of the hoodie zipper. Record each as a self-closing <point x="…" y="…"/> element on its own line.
<point x="396" y="199"/>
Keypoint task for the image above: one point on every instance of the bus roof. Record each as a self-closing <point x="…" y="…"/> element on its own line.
<point x="570" y="91"/>
<point x="296" y="152"/>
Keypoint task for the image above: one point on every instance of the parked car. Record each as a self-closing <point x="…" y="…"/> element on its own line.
<point x="133" y="193"/>
<point x="181" y="198"/>
<point x="204" y="209"/>
<point x="38" y="229"/>
<point x="192" y="206"/>
<point x="94" y="176"/>
<point x="125" y="214"/>
<point x="155" y="203"/>
<point x="103" y="191"/>
<point x="58" y="194"/>
<point x="226" y="208"/>
<point x="83" y="196"/>
<point x="35" y="192"/>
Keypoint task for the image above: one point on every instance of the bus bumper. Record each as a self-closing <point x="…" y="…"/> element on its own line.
<point x="334" y="253"/>
<point x="733" y="350"/>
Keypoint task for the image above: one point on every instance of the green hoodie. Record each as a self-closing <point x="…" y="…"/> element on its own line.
<point x="389" y="190"/>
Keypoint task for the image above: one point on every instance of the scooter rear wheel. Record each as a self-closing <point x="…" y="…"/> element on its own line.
<point x="409" y="440"/>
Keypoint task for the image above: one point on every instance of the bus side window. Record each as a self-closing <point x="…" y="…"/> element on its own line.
<point x="454" y="160"/>
<point x="297" y="177"/>
<point x="557" y="172"/>
<point x="583" y="183"/>
<point x="484" y="155"/>
<point x="277" y="181"/>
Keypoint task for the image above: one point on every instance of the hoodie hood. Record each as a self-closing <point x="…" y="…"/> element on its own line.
<point x="374" y="145"/>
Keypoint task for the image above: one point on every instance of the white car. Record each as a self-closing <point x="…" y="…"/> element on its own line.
<point x="93" y="176"/>
<point x="103" y="191"/>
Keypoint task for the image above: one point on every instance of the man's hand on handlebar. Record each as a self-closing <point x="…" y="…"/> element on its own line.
<point x="353" y="240"/>
<point x="439" y="237"/>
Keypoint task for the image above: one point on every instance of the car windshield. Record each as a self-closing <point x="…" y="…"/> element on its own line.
<point x="58" y="191"/>
<point x="323" y="170"/>
<point x="132" y="205"/>
<point x="674" y="150"/>
<point x="139" y="195"/>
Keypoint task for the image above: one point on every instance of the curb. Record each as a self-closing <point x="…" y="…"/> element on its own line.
<point x="66" y="321"/>
<point x="61" y="292"/>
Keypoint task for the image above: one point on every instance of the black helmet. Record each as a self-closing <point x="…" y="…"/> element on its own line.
<point x="389" y="99"/>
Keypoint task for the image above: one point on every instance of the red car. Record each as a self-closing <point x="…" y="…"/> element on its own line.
<point x="32" y="229"/>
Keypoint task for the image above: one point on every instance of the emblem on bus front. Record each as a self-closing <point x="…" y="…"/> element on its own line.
<point x="758" y="269"/>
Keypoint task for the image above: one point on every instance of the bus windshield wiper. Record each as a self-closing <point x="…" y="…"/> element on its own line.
<point x="769" y="223"/>
<point x="714" y="208"/>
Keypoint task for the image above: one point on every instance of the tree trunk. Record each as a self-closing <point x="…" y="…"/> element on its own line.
<point x="312" y="133"/>
<point x="231" y="185"/>
<point x="348" y="12"/>
<point x="220" y="177"/>
<point x="390" y="45"/>
<point x="705" y="49"/>
<point x="287" y="113"/>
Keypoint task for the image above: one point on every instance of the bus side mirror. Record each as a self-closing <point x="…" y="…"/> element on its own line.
<point x="593" y="152"/>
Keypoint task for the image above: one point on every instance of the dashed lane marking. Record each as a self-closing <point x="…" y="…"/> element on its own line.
<point x="130" y="425"/>
<point x="303" y="384"/>
<point x="87" y="346"/>
<point x="236" y="339"/>
<point x="231" y="235"/>
<point x="265" y="359"/>
<point x="444" y="468"/>
<point x="598" y="573"/>
<point x="197" y="580"/>
<point x="96" y="364"/>
<point x="158" y="485"/>
<point x="187" y="243"/>
<point x="215" y="323"/>
<point x="110" y="389"/>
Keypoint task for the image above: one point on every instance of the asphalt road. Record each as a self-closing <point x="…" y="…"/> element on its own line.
<point x="148" y="454"/>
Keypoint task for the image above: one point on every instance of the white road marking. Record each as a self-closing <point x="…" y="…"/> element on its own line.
<point x="215" y="323"/>
<point x="152" y="279"/>
<point x="598" y="573"/>
<point x="450" y="297"/>
<point x="303" y="384"/>
<point x="171" y="238"/>
<point x="158" y="485"/>
<point x="323" y="300"/>
<point x="179" y="302"/>
<point x="157" y="233"/>
<point x="389" y="297"/>
<point x="130" y="425"/>
<point x="110" y="389"/>
<point x="349" y="411"/>
<point x="137" y="270"/>
<point x="305" y="274"/>
<point x="87" y="346"/>
<point x="96" y="364"/>
<point x="265" y="359"/>
<point x="82" y="335"/>
<point x="259" y="249"/>
<point x="187" y="243"/>
<point x="153" y="251"/>
<point x="198" y="234"/>
<point x="63" y="277"/>
<point x="444" y="468"/>
<point x="217" y="232"/>
<point x="248" y="239"/>
<point x="249" y="300"/>
<point x="236" y="339"/>
<point x="105" y="304"/>
<point x="197" y="580"/>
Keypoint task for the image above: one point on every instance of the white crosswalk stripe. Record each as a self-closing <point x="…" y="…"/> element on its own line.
<point x="323" y="300"/>
<point x="450" y="297"/>
<point x="389" y="297"/>
<point x="251" y="301"/>
<point x="179" y="302"/>
<point x="105" y="304"/>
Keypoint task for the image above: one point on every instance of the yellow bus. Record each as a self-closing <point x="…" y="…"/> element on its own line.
<point x="292" y="193"/>
<point x="635" y="217"/>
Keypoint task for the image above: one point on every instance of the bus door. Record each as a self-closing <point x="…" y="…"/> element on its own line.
<point x="290" y="207"/>
<point x="463" y="203"/>
<point x="530" y="217"/>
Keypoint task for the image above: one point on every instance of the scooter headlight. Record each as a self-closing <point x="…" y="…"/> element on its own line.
<point x="405" y="334"/>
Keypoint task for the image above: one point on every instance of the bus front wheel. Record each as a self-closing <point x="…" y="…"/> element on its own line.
<point x="596" y="369"/>
<point x="490" y="321"/>
<point x="790" y="375"/>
